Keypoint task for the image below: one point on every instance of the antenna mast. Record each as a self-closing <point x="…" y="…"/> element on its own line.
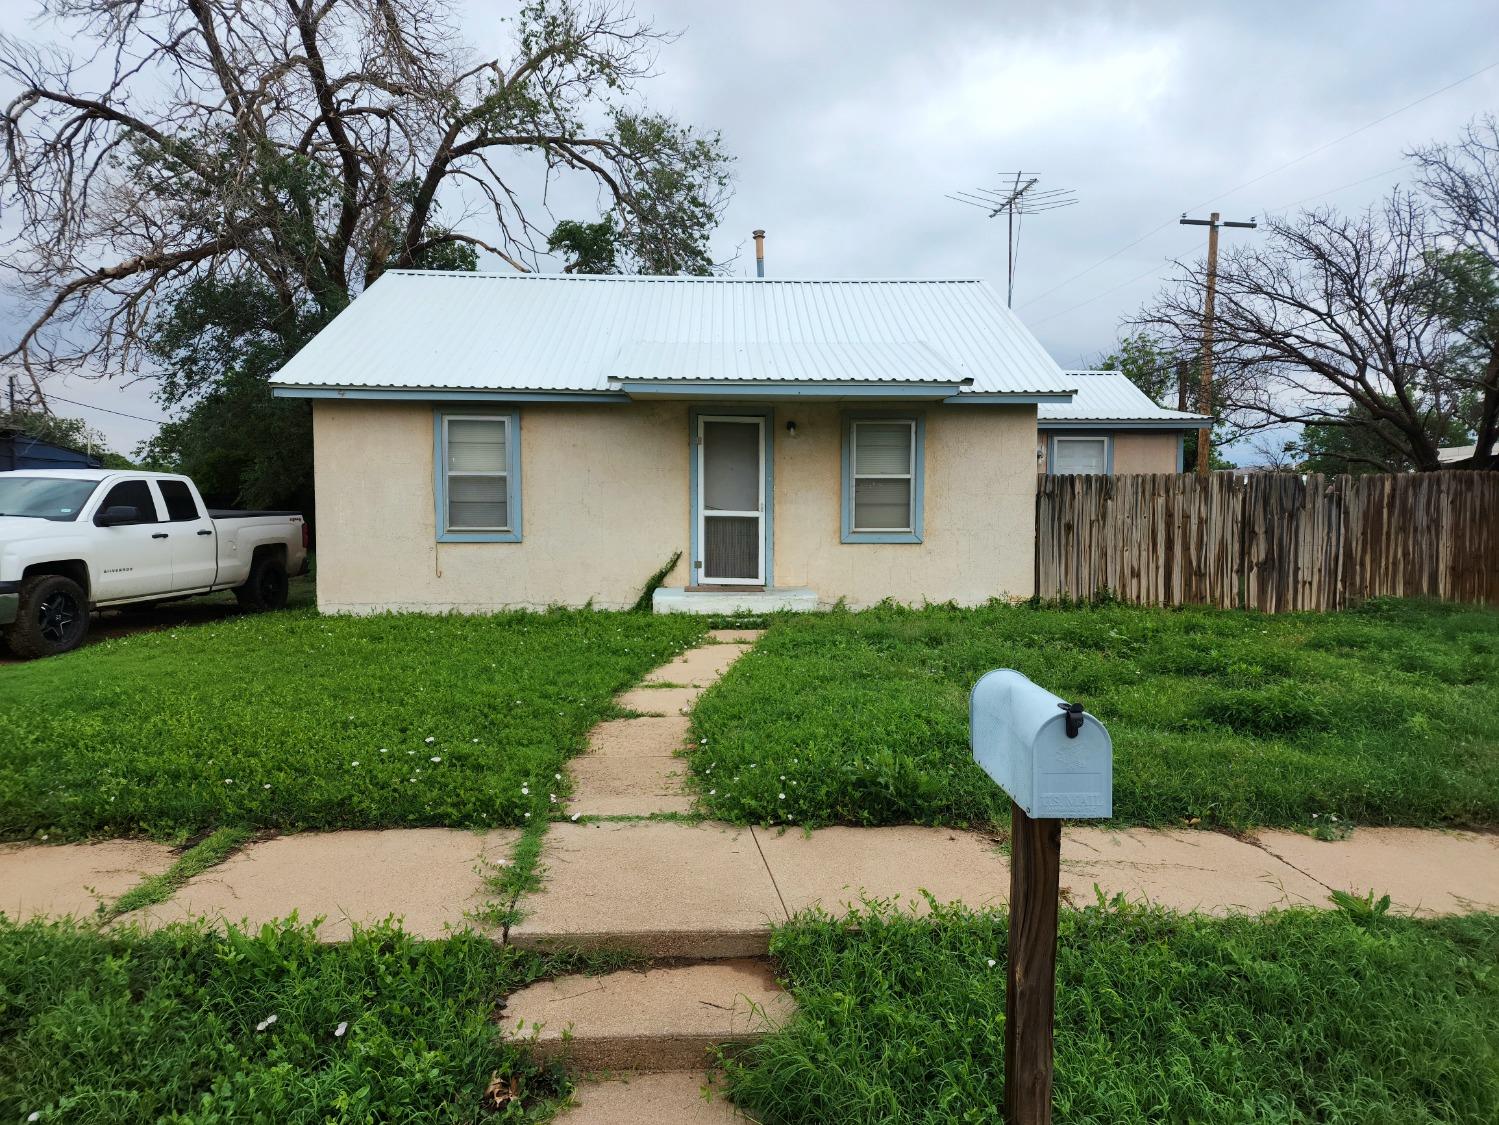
<point x="1020" y="194"/>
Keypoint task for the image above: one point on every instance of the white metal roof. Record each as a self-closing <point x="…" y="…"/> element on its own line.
<point x="1452" y="453"/>
<point x="1109" y="396"/>
<point x="428" y="330"/>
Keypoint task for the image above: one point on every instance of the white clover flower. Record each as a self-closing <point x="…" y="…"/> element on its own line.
<point x="355" y="762"/>
<point x="476" y="740"/>
<point x="781" y="796"/>
<point x="556" y="777"/>
<point x="430" y="740"/>
<point x="267" y="785"/>
<point x="992" y="962"/>
<point x="228" y="781"/>
<point x="525" y="790"/>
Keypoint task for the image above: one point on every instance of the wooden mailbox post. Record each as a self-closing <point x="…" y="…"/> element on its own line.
<point x="1055" y="761"/>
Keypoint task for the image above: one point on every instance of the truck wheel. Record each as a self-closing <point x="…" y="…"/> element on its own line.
<point x="266" y="588"/>
<point x="53" y="617"/>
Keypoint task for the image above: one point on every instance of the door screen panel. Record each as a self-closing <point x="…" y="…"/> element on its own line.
<point x="731" y="547"/>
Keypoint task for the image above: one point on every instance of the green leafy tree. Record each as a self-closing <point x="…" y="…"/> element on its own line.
<point x="70" y="433"/>
<point x="1361" y="443"/>
<point x="259" y="162"/>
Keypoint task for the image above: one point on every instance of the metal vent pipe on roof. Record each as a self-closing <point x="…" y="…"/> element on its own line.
<point x="759" y="252"/>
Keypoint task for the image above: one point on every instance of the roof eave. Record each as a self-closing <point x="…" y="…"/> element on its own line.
<point x="445" y="394"/>
<point x="1123" y="423"/>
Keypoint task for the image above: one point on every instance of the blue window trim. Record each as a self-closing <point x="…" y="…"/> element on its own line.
<point x="1094" y="435"/>
<point x="512" y="480"/>
<point x="918" y="478"/>
<point x="694" y="572"/>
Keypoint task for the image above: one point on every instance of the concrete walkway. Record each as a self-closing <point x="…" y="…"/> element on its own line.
<point x="698" y="901"/>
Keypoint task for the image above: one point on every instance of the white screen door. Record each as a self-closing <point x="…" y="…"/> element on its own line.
<point x="731" y="501"/>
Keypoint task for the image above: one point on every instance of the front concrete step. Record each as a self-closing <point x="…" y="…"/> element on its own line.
<point x="677" y="1097"/>
<point x="658" y="1019"/>
<point x="657" y="889"/>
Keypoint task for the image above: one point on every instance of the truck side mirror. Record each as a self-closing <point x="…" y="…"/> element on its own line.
<point x="117" y="514"/>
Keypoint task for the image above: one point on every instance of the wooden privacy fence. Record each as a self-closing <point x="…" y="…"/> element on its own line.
<point x="1269" y="541"/>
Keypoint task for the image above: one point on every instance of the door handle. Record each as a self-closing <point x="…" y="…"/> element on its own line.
<point x="159" y="535"/>
<point x="205" y="532"/>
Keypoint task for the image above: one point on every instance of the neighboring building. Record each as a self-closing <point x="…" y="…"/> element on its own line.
<point x="486" y="441"/>
<point x="1111" y="426"/>
<point x="1461" y="456"/>
<point x="19" y="450"/>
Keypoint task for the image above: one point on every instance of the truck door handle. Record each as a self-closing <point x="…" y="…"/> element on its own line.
<point x="159" y="535"/>
<point x="205" y="532"/>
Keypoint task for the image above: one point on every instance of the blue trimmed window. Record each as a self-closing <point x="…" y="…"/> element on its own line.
<point x="883" y="477"/>
<point x="477" y="462"/>
<point x="1089" y="454"/>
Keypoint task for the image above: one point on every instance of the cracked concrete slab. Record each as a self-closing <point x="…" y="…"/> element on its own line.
<point x="1182" y="870"/>
<point x="669" y="701"/>
<point x="58" y="880"/>
<point x="831" y="867"/>
<point x="1423" y="871"/>
<point x="660" y="888"/>
<point x="640" y="786"/>
<point x="429" y="878"/>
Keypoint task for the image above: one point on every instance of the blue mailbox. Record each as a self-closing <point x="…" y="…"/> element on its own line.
<point x="1053" y="758"/>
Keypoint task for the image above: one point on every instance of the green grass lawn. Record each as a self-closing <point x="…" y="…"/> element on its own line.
<point x="175" y="1026"/>
<point x="292" y="720"/>
<point x="1388" y="714"/>
<point x="1299" y="1017"/>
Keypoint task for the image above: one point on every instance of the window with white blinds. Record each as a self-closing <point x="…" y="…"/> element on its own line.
<point x="882" y="481"/>
<point x="478" y="495"/>
<point x="1080" y="455"/>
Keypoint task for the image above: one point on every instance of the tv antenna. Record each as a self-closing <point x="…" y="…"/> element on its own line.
<point x="1019" y="195"/>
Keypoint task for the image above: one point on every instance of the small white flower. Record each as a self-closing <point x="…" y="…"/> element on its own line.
<point x="556" y="777"/>
<point x="992" y="962"/>
<point x="228" y="781"/>
<point x="34" y="1115"/>
<point x="430" y="740"/>
<point x="476" y="740"/>
<point x="267" y="785"/>
<point x="782" y="796"/>
<point x="435" y="758"/>
<point x="355" y="762"/>
<point x="702" y="742"/>
<point x="528" y="816"/>
<point x="712" y="792"/>
<point x="410" y="779"/>
<point x="576" y="815"/>
<point x="265" y="1023"/>
<point x="552" y="797"/>
<point x="525" y="790"/>
<point x="338" y="1032"/>
<point x="383" y="750"/>
<point x="1334" y="819"/>
<point x="1315" y="815"/>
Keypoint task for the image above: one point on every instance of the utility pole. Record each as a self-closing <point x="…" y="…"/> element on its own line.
<point x="1210" y="299"/>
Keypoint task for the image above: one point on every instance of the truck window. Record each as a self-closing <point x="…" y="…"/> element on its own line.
<point x="179" y="500"/>
<point x="135" y="493"/>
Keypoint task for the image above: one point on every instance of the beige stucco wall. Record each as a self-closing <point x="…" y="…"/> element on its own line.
<point x="1134" y="452"/>
<point x="605" y="502"/>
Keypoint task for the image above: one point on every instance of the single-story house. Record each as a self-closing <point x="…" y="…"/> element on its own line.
<point x="485" y="441"/>
<point x="20" y="450"/>
<point x="1461" y="456"/>
<point x="1111" y="426"/>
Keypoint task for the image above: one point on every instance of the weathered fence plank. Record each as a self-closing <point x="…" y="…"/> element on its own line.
<point x="1271" y="541"/>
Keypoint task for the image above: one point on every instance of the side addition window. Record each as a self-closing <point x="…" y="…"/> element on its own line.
<point x="1082" y="455"/>
<point x="882" y="480"/>
<point x="478" y="490"/>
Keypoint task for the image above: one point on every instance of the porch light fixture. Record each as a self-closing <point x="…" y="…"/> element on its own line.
<point x="791" y="428"/>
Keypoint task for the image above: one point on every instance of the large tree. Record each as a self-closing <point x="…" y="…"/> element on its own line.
<point x="205" y="183"/>
<point x="1384" y="322"/>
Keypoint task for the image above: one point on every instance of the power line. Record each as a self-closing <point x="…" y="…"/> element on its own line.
<point x="1341" y="187"/>
<point x="1304" y="156"/>
<point x="118" y="413"/>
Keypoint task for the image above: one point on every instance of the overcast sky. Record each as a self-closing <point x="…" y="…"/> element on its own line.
<point x="852" y="120"/>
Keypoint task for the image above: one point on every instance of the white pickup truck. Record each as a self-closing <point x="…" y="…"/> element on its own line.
<point x="74" y="540"/>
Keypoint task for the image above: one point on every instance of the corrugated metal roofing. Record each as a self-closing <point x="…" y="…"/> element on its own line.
<point x="530" y="332"/>
<point x="1109" y="396"/>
